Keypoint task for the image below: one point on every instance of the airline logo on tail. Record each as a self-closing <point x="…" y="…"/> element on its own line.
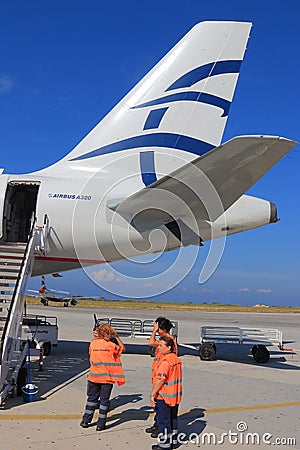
<point x="155" y="116"/>
<point x="43" y="287"/>
<point x="188" y="80"/>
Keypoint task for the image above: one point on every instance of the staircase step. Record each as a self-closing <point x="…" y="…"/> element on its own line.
<point x="6" y="280"/>
<point x="9" y="262"/>
<point x="13" y="245"/>
<point x="12" y="249"/>
<point x="9" y="272"/>
<point x="4" y="307"/>
<point x="3" y="315"/>
<point x="11" y="256"/>
<point x="5" y="297"/>
<point x="7" y="288"/>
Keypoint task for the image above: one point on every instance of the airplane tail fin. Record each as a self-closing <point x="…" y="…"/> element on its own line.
<point x="181" y="105"/>
<point x="43" y="286"/>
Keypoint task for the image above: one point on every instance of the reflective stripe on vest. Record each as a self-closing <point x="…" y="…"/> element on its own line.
<point x="171" y="391"/>
<point x="106" y="366"/>
<point x="158" y="358"/>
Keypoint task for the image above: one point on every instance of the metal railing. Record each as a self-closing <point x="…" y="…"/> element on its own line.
<point x="11" y="337"/>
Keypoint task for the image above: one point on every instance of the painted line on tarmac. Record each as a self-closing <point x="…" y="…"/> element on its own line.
<point x="252" y="407"/>
<point x="136" y="415"/>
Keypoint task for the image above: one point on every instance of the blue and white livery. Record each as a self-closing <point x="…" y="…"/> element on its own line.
<point x="155" y="162"/>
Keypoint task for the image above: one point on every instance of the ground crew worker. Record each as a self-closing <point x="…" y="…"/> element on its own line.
<point x="166" y="393"/>
<point x="105" y="370"/>
<point x="162" y="327"/>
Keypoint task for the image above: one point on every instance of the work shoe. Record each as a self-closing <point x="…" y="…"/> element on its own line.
<point x="100" y="427"/>
<point x="84" y="424"/>
<point x="154" y="433"/>
<point x="151" y="429"/>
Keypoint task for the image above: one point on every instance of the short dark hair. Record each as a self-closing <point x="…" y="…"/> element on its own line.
<point x="164" y="324"/>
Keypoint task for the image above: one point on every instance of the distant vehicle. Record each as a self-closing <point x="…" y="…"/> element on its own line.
<point x="51" y="295"/>
<point x="42" y="330"/>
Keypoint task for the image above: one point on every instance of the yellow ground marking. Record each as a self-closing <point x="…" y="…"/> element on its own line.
<point x="136" y="415"/>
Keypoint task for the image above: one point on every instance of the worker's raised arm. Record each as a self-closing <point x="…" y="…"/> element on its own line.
<point x="120" y="343"/>
<point x="153" y="341"/>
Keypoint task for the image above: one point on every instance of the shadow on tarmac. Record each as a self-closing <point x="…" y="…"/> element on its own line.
<point x="130" y="414"/>
<point x="121" y="400"/>
<point x="66" y="362"/>
<point x="70" y="360"/>
<point x="191" y="425"/>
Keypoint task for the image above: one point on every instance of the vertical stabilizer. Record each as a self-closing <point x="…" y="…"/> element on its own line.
<point x="43" y="286"/>
<point x="181" y="105"/>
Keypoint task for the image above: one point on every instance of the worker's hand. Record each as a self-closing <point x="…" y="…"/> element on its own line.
<point x="152" y="401"/>
<point x="114" y="332"/>
<point x="155" y="327"/>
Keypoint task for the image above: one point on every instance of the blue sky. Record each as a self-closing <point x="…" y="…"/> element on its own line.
<point x="65" y="64"/>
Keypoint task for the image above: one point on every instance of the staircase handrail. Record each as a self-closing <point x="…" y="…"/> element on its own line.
<point x="25" y="266"/>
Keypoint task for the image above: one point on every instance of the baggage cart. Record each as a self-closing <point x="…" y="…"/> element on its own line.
<point x="259" y="338"/>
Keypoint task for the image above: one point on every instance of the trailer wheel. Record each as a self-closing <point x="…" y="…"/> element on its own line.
<point x="21" y="380"/>
<point x="207" y="352"/>
<point x="152" y="351"/>
<point x="261" y="354"/>
<point x="47" y="348"/>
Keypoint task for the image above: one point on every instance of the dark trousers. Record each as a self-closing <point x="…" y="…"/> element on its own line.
<point x="98" y="397"/>
<point x="167" y="418"/>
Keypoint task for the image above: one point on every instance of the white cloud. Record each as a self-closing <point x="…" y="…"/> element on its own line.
<point x="103" y="275"/>
<point x="107" y="276"/>
<point x="244" y="290"/>
<point x="6" y="84"/>
<point x="264" y="291"/>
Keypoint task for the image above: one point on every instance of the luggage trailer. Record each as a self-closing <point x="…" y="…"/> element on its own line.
<point x="260" y="338"/>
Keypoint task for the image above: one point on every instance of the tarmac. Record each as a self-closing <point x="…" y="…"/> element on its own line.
<point x="231" y="402"/>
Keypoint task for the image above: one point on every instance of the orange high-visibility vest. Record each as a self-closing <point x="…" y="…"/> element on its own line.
<point x="158" y="357"/>
<point x="106" y="366"/>
<point x="171" y="391"/>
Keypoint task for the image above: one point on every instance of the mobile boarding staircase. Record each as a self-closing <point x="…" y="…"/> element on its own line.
<point x="16" y="264"/>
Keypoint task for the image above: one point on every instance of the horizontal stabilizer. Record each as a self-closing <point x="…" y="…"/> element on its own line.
<point x="208" y="186"/>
